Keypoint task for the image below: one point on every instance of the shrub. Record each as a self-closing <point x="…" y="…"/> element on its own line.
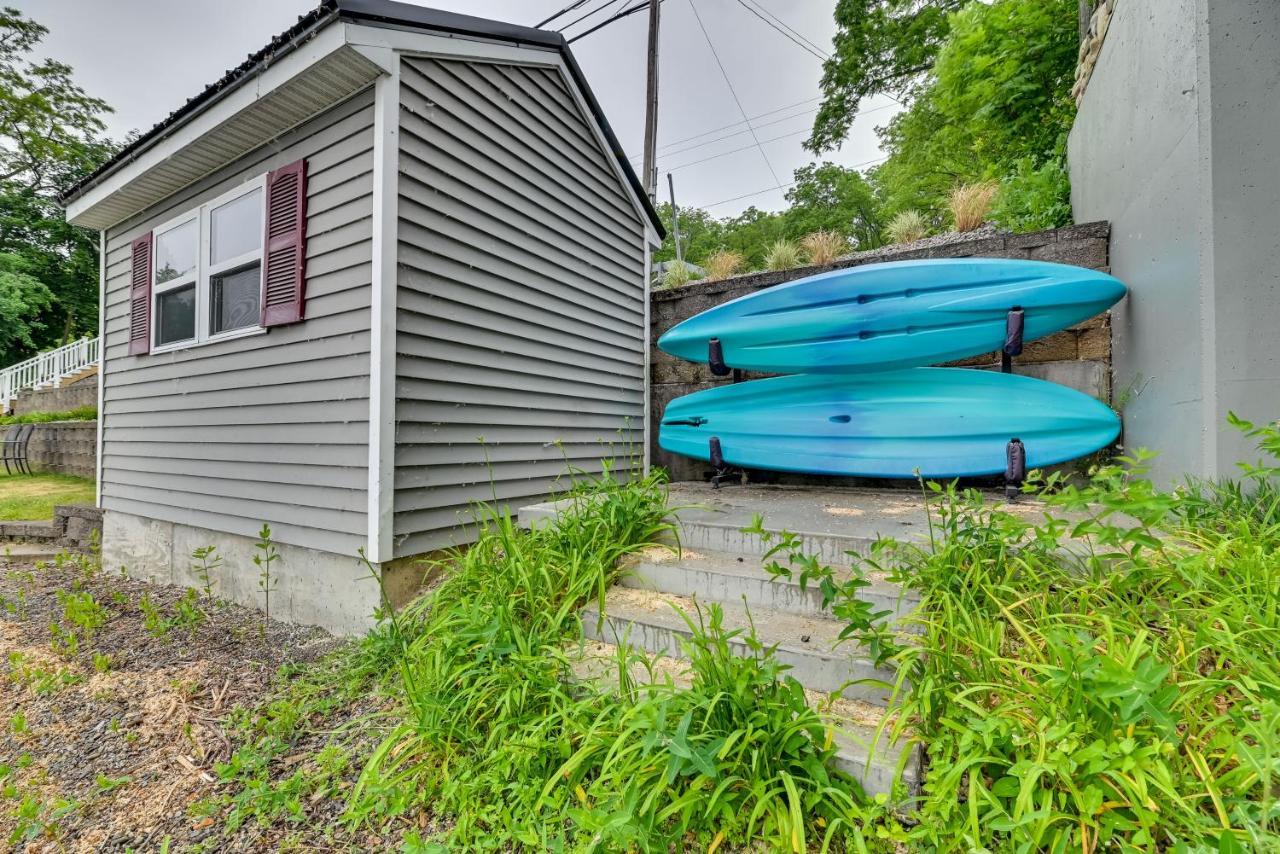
<point x="970" y="204"/>
<point x="723" y="263"/>
<point x="782" y="255"/>
<point x="1034" y="197"/>
<point x="907" y="226"/>
<point x="823" y="247"/>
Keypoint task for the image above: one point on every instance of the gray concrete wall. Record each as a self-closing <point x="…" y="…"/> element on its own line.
<point x="1079" y="357"/>
<point x="312" y="587"/>
<point x="1175" y="145"/>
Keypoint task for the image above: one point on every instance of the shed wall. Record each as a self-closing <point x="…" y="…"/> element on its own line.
<point x="270" y="427"/>
<point x="520" y="300"/>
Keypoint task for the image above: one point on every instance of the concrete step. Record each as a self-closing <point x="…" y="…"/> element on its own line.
<point x="859" y="730"/>
<point x="809" y="646"/>
<point x="32" y="531"/>
<point x="12" y="553"/>
<point x="730" y="578"/>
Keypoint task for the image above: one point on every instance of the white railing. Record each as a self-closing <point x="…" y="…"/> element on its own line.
<point x="47" y="369"/>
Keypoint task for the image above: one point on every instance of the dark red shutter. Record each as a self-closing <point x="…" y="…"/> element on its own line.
<point x="140" y="297"/>
<point x="282" y="260"/>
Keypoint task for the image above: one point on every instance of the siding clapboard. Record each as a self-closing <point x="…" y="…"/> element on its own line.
<point x="271" y="427"/>
<point x="520" y="314"/>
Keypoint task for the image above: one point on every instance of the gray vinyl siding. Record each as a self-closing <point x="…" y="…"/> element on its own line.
<point x="270" y="427"/>
<point x="520" y="298"/>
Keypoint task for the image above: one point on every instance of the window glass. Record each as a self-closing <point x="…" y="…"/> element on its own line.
<point x="176" y="251"/>
<point x="233" y="299"/>
<point x="235" y="228"/>
<point x="176" y="315"/>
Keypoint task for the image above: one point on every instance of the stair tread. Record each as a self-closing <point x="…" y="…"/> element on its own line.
<point x="787" y="631"/>
<point x="752" y="567"/>
<point x="854" y="723"/>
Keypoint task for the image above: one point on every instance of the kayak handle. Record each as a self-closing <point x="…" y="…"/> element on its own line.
<point x="696" y="421"/>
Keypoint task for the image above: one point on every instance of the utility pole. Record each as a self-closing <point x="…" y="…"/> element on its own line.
<point x="651" y="106"/>
<point x="675" y="217"/>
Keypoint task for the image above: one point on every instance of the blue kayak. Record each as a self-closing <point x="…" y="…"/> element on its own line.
<point x="939" y="422"/>
<point x="896" y="315"/>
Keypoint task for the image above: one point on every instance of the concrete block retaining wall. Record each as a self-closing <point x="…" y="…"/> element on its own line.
<point x="83" y="392"/>
<point x="1079" y="357"/>
<point x="66" y="447"/>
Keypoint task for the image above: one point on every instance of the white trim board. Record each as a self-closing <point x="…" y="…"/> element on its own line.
<point x="102" y="362"/>
<point x="382" y="316"/>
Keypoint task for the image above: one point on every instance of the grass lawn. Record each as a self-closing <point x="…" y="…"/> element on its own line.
<point x="33" y="496"/>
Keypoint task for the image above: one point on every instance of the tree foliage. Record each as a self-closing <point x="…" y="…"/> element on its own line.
<point x="825" y="197"/>
<point x="988" y="91"/>
<point x="51" y="134"/>
<point x="23" y="298"/>
<point x="880" y="47"/>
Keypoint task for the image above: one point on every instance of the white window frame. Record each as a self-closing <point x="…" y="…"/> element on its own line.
<point x="205" y="271"/>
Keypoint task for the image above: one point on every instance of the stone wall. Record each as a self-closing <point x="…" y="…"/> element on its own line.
<point x="82" y="392"/>
<point x="1091" y="45"/>
<point x="67" y="447"/>
<point x="1079" y="357"/>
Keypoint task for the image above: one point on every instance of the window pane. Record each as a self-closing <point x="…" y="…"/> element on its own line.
<point x="176" y="251"/>
<point x="234" y="299"/>
<point x="235" y="228"/>
<point x="176" y="315"/>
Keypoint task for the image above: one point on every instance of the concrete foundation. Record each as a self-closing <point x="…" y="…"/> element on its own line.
<point x="311" y="587"/>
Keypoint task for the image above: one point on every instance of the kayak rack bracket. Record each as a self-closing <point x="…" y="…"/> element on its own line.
<point x="722" y="473"/>
<point x="1013" y="326"/>
<point x="715" y="358"/>
<point x="1015" y="468"/>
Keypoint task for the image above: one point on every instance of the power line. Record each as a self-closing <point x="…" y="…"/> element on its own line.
<point x="566" y="10"/>
<point x="771" y="189"/>
<point x="738" y="133"/>
<point x="784" y="33"/>
<point x="590" y="12"/>
<point x="757" y="144"/>
<point x="756" y="5"/>
<point x="624" y="13"/>
<point x="735" y="124"/>
<point x="732" y="91"/>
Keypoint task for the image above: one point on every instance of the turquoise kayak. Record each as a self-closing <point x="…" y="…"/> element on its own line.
<point x="938" y="422"/>
<point x="896" y="315"/>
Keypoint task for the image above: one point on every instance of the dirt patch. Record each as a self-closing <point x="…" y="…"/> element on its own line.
<point x="112" y="740"/>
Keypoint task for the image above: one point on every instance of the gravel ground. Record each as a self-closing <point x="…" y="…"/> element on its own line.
<point x="113" y="754"/>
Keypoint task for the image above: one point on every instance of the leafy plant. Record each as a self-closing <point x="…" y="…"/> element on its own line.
<point x="1034" y="197"/>
<point x="907" y="227"/>
<point x="204" y="561"/>
<point x="82" y="616"/>
<point x="722" y="264"/>
<point x="153" y="619"/>
<point x="265" y="554"/>
<point x="782" y="255"/>
<point x="187" y="613"/>
<point x="823" y="247"/>
<point x="971" y="203"/>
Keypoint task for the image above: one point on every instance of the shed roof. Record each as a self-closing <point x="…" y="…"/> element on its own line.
<point x="386" y="12"/>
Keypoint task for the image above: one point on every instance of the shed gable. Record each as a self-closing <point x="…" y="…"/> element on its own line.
<point x="520" y="300"/>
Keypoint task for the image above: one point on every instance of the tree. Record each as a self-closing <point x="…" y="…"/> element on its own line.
<point x="50" y="136"/>
<point x="23" y="298"/>
<point x="996" y="105"/>
<point x="827" y="197"/>
<point x="880" y="47"/>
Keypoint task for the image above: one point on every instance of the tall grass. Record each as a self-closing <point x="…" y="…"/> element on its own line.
<point x="1118" y="689"/>
<point x="971" y="203"/>
<point x="723" y="263"/>
<point x="782" y="255"/>
<point x="823" y="247"/>
<point x="907" y="227"/>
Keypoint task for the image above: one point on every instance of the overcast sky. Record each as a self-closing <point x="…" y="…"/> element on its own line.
<point x="146" y="57"/>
